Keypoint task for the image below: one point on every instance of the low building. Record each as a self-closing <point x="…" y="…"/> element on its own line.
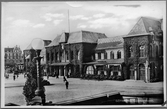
<point x="68" y="51"/>
<point x="143" y="48"/>
<point x="109" y="58"/>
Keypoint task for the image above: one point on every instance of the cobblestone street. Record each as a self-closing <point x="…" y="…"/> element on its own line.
<point x="78" y="88"/>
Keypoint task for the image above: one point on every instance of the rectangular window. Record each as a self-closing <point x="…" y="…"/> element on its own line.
<point x="99" y="55"/>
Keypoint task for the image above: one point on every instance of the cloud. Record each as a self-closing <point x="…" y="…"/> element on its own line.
<point x="133" y="6"/>
<point x="98" y="15"/>
<point x="9" y="18"/>
<point x="127" y="12"/>
<point x="81" y="26"/>
<point x="39" y="25"/>
<point x="56" y="22"/>
<point x="22" y="23"/>
<point x="79" y="17"/>
<point x="107" y="22"/>
<point x="50" y="16"/>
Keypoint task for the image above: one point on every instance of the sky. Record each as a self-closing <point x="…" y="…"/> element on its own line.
<point x="24" y="21"/>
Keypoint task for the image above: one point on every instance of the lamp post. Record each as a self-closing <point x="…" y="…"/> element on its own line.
<point x="38" y="45"/>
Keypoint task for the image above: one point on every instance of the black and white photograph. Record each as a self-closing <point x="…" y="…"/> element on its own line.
<point x="61" y="54"/>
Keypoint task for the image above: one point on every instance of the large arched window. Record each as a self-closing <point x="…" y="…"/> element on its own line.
<point x="142" y="51"/>
<point x="118" y="54"/>
<point x="142" y="71"/>
<point x="111" y="55"/>
<point x="90" y="70"/>
<point x="130" y="50"/>
<point x="131" y="71"/>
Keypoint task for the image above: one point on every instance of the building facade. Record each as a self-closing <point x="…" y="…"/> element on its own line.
<point x="143" y="50"/>
<point x="109" y="58"/>
<point x="13" y="57"/>
<point x="68" y="51"/>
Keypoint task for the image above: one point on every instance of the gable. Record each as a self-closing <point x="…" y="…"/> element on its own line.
<point x="139" y="28"/>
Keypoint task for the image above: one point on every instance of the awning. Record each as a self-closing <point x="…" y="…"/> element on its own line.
<point x="105" y="62"/>
<point x="96" y="63"/>
<point x="60" y="64"/>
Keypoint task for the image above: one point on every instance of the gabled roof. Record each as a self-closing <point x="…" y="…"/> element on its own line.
<point x="110" y="42"/>
<point x="145" y="26"/>
<point x="64" y="37"/>
<point x="85" y="36"/>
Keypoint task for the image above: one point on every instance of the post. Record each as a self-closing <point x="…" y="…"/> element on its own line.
<point x="40" y="89"/>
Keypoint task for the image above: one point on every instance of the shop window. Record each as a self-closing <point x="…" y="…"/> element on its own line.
<point x="119" y="54"/>
<point x="142" y="51"/>
<point x="111" y="55"/>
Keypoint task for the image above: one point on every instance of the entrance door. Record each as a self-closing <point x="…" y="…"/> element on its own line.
<point x="142" y="71"/>
<point x="131" y="70"/>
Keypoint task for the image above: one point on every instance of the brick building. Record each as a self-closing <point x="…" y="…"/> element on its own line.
<point x="68" y="51"/>
<point x="143" y="50"/>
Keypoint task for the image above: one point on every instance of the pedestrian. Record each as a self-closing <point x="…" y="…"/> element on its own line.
<point x="47" y="76"/>
<point x="14" y="77"/>
<point x="66" y="83"/>
<point x="64" y="78"/>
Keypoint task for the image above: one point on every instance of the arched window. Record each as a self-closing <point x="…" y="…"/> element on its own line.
<point x="130" y="50"/>
<point x="90" y="70"/>
<point x="131" y="71"/>
<point x="111" y="55"/>
<point x="118" y="54"/>
<point x="142" y="71"/>
<point x="142" y="51"/>
<point x="105" y="55"/>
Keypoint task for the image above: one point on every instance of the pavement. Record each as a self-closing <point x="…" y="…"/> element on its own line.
<point x="79" y="88"/>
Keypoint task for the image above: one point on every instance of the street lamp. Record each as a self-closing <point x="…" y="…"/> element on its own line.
<point x="38" y="45"/>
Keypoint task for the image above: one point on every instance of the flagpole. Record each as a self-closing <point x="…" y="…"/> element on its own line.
<point x="68" y="22"/>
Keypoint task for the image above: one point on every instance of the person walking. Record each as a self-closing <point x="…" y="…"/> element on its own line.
<point x="66" y="83"/>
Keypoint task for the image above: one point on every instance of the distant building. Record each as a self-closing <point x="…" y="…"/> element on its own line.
<point x="13" y="57"/>
<point x="143" y="50"/>
<point x="109" y="58"/>
<point x="68" y="51"/>
<point x="29" y="54"/>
